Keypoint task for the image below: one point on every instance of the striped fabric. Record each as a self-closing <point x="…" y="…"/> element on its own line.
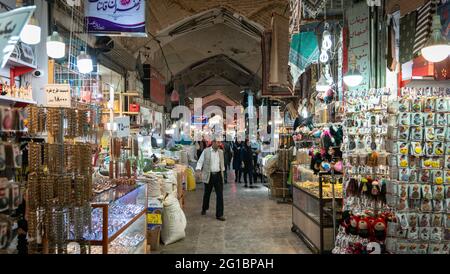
<point x="423" y="25"/>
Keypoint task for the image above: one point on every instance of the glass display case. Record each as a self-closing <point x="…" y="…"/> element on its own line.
<point x="316" y="207"/>
<point x="119" y="221"/>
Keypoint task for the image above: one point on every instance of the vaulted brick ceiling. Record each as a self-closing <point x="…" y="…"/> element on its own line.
<point x="206" y="39"/>
<point x="164" y="13"/>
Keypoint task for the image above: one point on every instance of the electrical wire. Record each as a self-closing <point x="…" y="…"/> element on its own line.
<point x="163" y="54"/>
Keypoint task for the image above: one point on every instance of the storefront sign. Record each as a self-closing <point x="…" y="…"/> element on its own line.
<point x="359" y="48"/>
<point x="11" y="25"/>
<point x="199" y="120"/>
<point x="116" y="17"/>
<point x="58" y="96"/>
<point x="122" y="126"/>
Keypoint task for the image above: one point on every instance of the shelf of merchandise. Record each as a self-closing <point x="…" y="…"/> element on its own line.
<point x="104" y="206"/>
<point x="14" y="100"/>
<point x="122" y="96"/>
<point x="14" y="62"/>
<point x="140" y="248"/>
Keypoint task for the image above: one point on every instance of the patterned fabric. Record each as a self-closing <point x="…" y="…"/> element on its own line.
<point x="304" y="52"/>
<point x="444" y="12"/>
<point x="314" y="7"/>
<point x="423" y="25"/>
<point x="407" y="36"/>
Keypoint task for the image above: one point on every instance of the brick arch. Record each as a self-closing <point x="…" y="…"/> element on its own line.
<point x="167" y="12"/>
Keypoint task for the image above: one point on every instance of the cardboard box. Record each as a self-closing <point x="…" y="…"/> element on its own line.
<point x="278" y="193"/>
<point x="276" y="179"/>
<point x="154" y="238"/>
<point x="154" y="222"/>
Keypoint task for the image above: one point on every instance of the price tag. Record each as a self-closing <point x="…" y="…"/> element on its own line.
<point x="122" y="126"/>
<point x="154" y="219"/>
<point x="58" y="96"/>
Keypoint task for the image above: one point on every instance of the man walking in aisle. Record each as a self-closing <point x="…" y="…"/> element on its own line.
<point x="212" y="165"/>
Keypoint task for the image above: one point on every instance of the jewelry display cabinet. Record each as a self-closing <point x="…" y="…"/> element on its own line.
<point x="119" y="221"/>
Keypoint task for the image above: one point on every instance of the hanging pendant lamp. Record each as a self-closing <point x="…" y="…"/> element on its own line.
<point x="56" y="48"/>
<point x="31" y="33"/>
<point x="84" y="63"/>
<point x="437" y="47"/>
<point x="322" y="84"/>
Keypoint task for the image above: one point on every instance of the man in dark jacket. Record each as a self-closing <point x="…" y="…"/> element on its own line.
<point x="237" y="161"/>
<point x="227" y="153"/>
<point x="247" y="158"/>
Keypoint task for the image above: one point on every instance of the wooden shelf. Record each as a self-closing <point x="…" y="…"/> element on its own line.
<point x="124" y="113"/>
<point x="129" y="94"/>
<point x="17" y="100"/>
<point x="14" y="62"/>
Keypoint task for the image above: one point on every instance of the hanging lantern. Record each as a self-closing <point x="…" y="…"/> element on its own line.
<point x="326" y="40"/>
<point x="437" y="47"/>
<point x="84" y="63"/>
<point x="56" y="48"/>
<point x="31" y="33"/>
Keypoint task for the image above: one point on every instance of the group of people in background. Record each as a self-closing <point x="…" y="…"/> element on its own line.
<point x="242" y="157"/>
<point x="214" y="162"/>
<point x="245" y="161"/>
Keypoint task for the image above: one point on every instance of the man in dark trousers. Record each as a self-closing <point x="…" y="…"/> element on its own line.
<point x="212" y="166"/>
<point x="228" y="154"/>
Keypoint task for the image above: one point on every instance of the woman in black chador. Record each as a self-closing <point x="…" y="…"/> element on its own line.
<point x="237" y="161"/>
<point x="247" y="158"/>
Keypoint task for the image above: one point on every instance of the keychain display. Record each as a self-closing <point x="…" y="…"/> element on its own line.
<point x="421" y="202"/>
<point x="366" y="179"/>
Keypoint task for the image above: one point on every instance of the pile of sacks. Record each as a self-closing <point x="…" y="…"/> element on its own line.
<point x="164" y="187"/>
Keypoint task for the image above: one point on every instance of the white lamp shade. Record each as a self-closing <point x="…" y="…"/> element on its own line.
<point x="437" y="47"/>
<point x="322" y="84"/>
<point x="84" y="63"/>
<point x="326" y="42"/>
<point x="56" y="48"/>
<point x="353" y="80"/>
<point x="322" y="87"/>
<point x="31" y="34"/>
<point x="436" y="53"/>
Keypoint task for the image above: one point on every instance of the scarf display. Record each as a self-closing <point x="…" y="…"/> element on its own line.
<point x="313" y="7"/>
<point x="304" y="52"/>
<point x="407" y="36"/>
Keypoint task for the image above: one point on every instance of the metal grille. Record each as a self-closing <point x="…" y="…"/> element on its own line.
<point x="85" y="87"/>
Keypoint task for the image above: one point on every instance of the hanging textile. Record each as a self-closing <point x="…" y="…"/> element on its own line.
<point x="175" y="97"/>
<point x="314" y="7"/>
<point x="405" y="7"/>
<point x="296" y="16"/>
<point x="444" y="13"/>
<point x="423" y="26"/>
<point x="407" y="36"/>
<point x="279" y="54"/>
<point x="304" y="52"/>
<point x="391" y="53"/>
